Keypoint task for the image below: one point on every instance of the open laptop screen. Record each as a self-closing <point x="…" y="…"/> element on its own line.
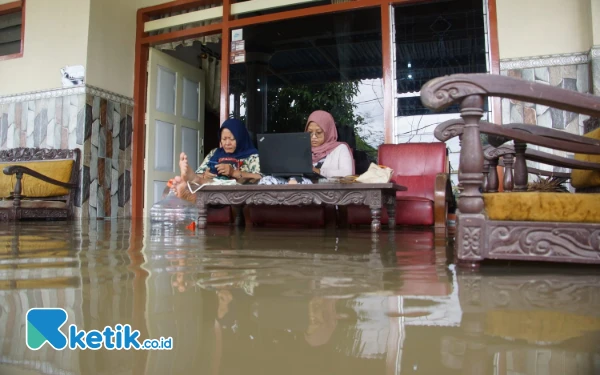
<point x="285" y="154"/>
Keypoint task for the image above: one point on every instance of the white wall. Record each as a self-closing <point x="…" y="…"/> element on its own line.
<point x="55" y="36"/>
<point x="595" y="20"/>
<point x="111" y="47"/>
<point x="544" y="27"/>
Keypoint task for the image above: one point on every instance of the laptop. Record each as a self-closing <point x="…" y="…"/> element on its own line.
<point x="286" y="155"/>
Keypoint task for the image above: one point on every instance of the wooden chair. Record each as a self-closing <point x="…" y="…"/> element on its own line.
<point x="520" y="225"/>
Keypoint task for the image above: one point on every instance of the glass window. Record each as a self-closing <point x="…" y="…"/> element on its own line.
<point x="432" y="40"/>
<point x="10" y="33"/>
<point x="331" y="62"/>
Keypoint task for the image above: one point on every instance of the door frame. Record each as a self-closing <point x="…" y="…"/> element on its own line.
<point x="143" y="41"/>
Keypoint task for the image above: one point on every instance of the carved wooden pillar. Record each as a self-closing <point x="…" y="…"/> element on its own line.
<point x="508" y="172"/>
<point x="471" y="220"/>
<point x="486" y="172"/>
<point x="520" y="167"/>
<point x="493" y="176"/>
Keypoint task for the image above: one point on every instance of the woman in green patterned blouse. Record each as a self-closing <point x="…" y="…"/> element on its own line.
<point x="235" y="159"/>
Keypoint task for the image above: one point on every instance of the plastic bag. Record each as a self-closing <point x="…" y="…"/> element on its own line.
<point x="376" y="174"/>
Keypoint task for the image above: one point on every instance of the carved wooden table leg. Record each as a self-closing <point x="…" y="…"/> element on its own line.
<point x="239" y="215"/>
<point x="391" y="210"/>
<point x="202" y="211"/>
<point x="376" y="216"/>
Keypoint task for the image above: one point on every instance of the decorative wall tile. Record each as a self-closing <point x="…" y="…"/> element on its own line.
<point x="573" y="126"/>
<point x="529" y="116"/>
<point x="94" y="163"/>
<point x="116" y="152"/>
<point x="114" y="185"/>
<point x="100" y="209"/>
<point x="516" y="113"/>
<point x="583" y="78"/>
<point x="542" y="74"/>
<point x="540" y="109"/>
<point x="101" y="174"/>
<point x="93" y="200"/>
<point x="85" y="186"/>
<point x="64" y="137"/>
<point x="107" y="203"/>
<point x="505" y="111"/>
<point x="87" y="152"/>
<point x="51" y="134"/>
<point x="555" y="75"/>
<point x="102" y="141"/>
<point x="528" y="74"/>
<point x="3" y="129"/>
<point x="559" y="120"/>
<point x="40" y="127"/>
<point x="107" y="174"/>
<point x="569" y="71"/>
<point x="596" y="75"/>
<point x="109" y="115"/>
<point x="10" y="136"/>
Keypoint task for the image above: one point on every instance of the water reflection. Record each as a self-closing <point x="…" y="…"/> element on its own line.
<point x="282" y="301"/>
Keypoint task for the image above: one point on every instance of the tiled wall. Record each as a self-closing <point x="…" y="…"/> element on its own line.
<point x="107" y="158"/>
<point x="97" y="122"/>
<point x="571" y="72"/>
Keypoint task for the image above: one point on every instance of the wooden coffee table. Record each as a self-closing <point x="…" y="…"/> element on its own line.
<point x="372" y="195"/>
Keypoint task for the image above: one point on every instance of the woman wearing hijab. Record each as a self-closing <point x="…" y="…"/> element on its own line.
<point x="236" y="159"/>
<point x="330" y="157"/>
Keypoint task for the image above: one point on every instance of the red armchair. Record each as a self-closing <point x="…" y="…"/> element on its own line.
<point x="423" y="169"/>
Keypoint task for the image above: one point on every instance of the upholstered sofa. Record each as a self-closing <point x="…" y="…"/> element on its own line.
<point x="423" y="168"/>
<point x="38" y="183"/>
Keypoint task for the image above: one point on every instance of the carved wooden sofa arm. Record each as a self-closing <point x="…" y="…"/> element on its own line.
<point x="19" y="170"/>
<point x="498" y="135"/>
<point x="519" y="225"/>
<point x="39" y="183"/>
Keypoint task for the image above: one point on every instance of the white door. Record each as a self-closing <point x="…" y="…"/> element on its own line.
<point x="174" y="121"/>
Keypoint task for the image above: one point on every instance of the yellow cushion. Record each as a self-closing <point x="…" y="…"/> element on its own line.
<point x="532" y="206"/>
<point x="584" y="179"/>
<point x="59" y="170"/>
<point x="539" y="326"/>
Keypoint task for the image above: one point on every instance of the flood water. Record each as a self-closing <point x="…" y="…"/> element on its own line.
<point x="282" y="301"/>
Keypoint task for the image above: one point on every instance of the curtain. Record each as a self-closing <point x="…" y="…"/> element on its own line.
<point x="190" y="41"/>
<point x="210" y="63"/>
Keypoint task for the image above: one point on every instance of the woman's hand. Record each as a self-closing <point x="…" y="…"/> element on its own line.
<point x="207" y="175"/>
<point x="225" y="169"/>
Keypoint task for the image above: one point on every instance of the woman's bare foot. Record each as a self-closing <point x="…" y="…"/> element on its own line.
<point x="182" y="191"/>
<point x="187" y="173"/>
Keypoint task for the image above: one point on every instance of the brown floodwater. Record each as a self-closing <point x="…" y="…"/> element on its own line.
<point x="290" y="301"/>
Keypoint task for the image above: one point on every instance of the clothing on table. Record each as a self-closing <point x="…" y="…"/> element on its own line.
<point x="273" y="180"/>
<point x="250" y="164"/>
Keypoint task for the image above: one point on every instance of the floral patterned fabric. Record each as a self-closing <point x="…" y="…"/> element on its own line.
<point x="250" y="164"/>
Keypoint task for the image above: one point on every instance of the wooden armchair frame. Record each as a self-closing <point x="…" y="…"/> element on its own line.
<point x="479" y="237"/>
<point x="17" y="156"/>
